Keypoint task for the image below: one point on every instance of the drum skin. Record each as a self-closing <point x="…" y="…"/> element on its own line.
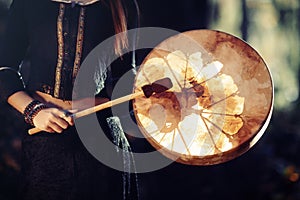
<point x="220" y="104"/>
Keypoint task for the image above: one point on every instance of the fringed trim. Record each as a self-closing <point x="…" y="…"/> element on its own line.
<point x="60" y="57"/>
<point x="79" y="43"/>
<point x="60" y="41"/>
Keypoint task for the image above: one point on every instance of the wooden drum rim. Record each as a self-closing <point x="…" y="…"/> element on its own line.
<point x="233" y="127"/>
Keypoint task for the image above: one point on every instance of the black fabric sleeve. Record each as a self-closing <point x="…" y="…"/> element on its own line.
<point x="13" y="48"/>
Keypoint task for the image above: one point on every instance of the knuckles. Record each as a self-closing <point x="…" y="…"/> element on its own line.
<point x="50" y="121"/>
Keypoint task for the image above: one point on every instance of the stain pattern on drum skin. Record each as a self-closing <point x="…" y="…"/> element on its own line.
<point x="246" y="68"/>
<point x="178" y="105"/>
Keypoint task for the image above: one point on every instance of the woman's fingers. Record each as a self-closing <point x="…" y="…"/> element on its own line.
<point x="60" y="121"/>
<point x="55" y="127"/>
<point x="69" y="120"/>
<point x="66" y="115"/>
<point x="49" y="130"/>
<point x="52" y="120"/>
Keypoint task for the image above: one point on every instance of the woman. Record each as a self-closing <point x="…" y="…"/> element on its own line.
<point x="55" y="37"/>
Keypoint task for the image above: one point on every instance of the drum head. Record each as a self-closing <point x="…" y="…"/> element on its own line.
<point x="220" y="103"/>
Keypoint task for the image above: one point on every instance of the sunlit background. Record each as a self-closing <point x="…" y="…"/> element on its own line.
<point x="272" y="28"/>
<point x="268" y="171"/>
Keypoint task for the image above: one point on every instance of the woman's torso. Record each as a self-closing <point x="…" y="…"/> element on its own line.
<point x="60" y="37"/>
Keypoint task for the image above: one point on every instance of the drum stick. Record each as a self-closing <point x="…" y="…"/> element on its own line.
<point x="159" y="86"/>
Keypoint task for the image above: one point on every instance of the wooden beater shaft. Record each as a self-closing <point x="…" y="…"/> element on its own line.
<point x="97" y="108"/>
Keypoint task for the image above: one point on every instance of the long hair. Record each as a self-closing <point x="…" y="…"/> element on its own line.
<point x="120" y="24"/>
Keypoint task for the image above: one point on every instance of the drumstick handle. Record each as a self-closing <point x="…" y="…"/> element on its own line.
<point x="34" y="130"/>
<point x="97" y="108"/>
<point x="107" y="105"/>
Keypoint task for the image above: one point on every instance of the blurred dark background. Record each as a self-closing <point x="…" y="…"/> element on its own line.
<point x="271" y="169"/>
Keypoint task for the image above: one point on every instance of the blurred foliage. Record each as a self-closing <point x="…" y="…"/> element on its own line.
<point x="272" y="28"/>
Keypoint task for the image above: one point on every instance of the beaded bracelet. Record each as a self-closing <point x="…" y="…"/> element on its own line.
<point x="30" y="106"/>
<point x="31" y="110"/>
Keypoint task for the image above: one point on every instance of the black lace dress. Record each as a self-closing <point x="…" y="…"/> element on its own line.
<point x="54" y="38"/>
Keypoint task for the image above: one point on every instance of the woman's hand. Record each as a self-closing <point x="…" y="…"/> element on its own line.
<point x="52" y="120"/>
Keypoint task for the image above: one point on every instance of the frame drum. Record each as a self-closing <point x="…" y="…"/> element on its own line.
<point x="220" y="103"/>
